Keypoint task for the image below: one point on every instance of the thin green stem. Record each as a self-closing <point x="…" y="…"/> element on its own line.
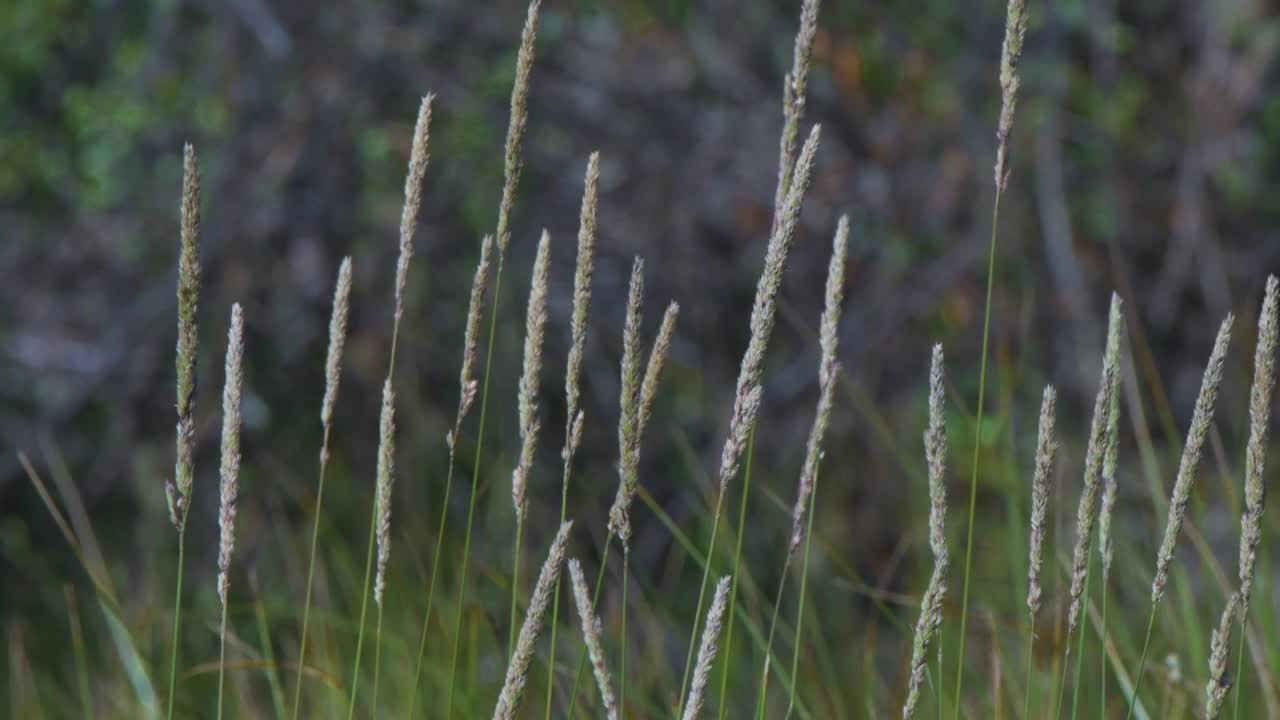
<point x="768" y="645"/>
<point x="622" y="650"/>
<point x="1031" y="663"/>
<point x="555" y="601"/>
<point x="1061" y="689"/>
<point x="1142" y="663"/>
<point x="515" y="584"/>
<point x="311" y="572"/>
<point x="475" y="487"/>
<point x="364" y="606"/>
<point x="727" y="653"/>
<point x="435" y="570"/>
<point x="977" y="453"/>
<point x="177" y="613"/>
<point x="222" y="656"/>
<point x="702" y="596"/>
<point x="582" y="657"/>
<point x="1084" y="622"/>
<point x="804" y="582"/>
<point x="377" y="661"/>
<point x="1102" y="654"/>
<point x="1235" y="712"/>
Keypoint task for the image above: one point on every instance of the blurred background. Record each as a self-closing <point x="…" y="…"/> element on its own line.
<point x="1146" y="160"/>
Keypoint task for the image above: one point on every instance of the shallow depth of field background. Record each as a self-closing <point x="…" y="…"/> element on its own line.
<point x="1146" y="159"/>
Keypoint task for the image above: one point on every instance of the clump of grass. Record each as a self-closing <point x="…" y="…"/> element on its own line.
<point x="518" y="668"/>
<point x="1188" y="469"/>
<point x="749" y="385"/>
<point x="935" y="450"/>
<point x="178" y="491"/>
<point x="229" y="475"/>
<point x="1015" y="34"/>
<point x="332" y="379"/>
<point x="591" y="634"/>
<point x="527" y="405"/>
<point x="707" y="651"/>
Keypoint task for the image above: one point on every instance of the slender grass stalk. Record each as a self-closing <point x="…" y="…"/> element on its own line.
<point x="935" y="450"/>
<point x="804" y="584"/>
<point x="1041" y="485"/>
<point x="229" y="474"/>
<point x="530" y="380"/>
<point x="178" y="491"/>
<point x="380" y="520"/>
<point x="512" y="164"/>
<point x="333" y="375"/>
<point x="747" y="396"/>
<point x="1255" y="462"/>
<point x="622" y="642"/>
<point x="828" y="371"/>
<point x="1188" y="468"/>
<point x="518" y="667"/>
<point x="467" y="387"/>
<point x="1011" y="55"/>
<point x="727" y="667"/>
<point x="78" y="652"/>
<point x="707" y="651"/>
<point x="572" y="378"/>
<point x="1109" y="490"/>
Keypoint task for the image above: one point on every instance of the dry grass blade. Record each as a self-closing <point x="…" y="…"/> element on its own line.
<point x="1011" y="55"/>
<point x="229" y="469"/>
<point x="707" y="651"/>
<point x="467" y="385"/>
<point x="178" y="492"/>
<point x="591" y="634"/>
<point x="385" y="482"/>
<point x="794" y="92"/>
<point x="418" y="158"/>
<point x="530" y="377"/>
<point x="629" y="408"/>
<point x="1255" y="493"/>
<point x="1041" y="485"/>
<point x="1188" y="468"/>
<point x="1220" y="650"/>
<point x="337" y="342"/>
<point x="516" y="127"/>
<point x="1111" y="452"/>
<point x="518" y="669"/>
<point x="930" y="620"/>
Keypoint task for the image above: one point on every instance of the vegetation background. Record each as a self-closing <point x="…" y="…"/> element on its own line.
<point x="1146" y="159"/>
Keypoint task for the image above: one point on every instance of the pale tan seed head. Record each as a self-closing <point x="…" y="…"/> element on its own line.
<point x="582" y="284"/>
<point x="591" y="635"/>
<point x="467" y="384"/>
<point x="229" y="469"/>
<point x="629" y="408"/>
<point x="653" y="370"/>
<point x="707" y="651"/>
<point x="337" y="341"/>
<point x="178" y="491"/>
<point x="385" y="482"/>
<point x="763" y="313"/>
<point x="794" y="92"/>
<point x="926" y="628"/>
<point x="1255" y="492"/>
<point x="1188" y="468"/>
<point x="828" y="371"/>
<point x="518" y="669"/>
<point x="531" y="376"/>
<point x="1015" y="33"/>
<point x="1111" y="451"/>
<point x="1219" y="655"/>
<point x="935" y="450"/>
<point x="1041" y="484"/>
<point x="418" y="158"/>
<point x="516" y="126"/>
<point x="1087" y="510"/>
